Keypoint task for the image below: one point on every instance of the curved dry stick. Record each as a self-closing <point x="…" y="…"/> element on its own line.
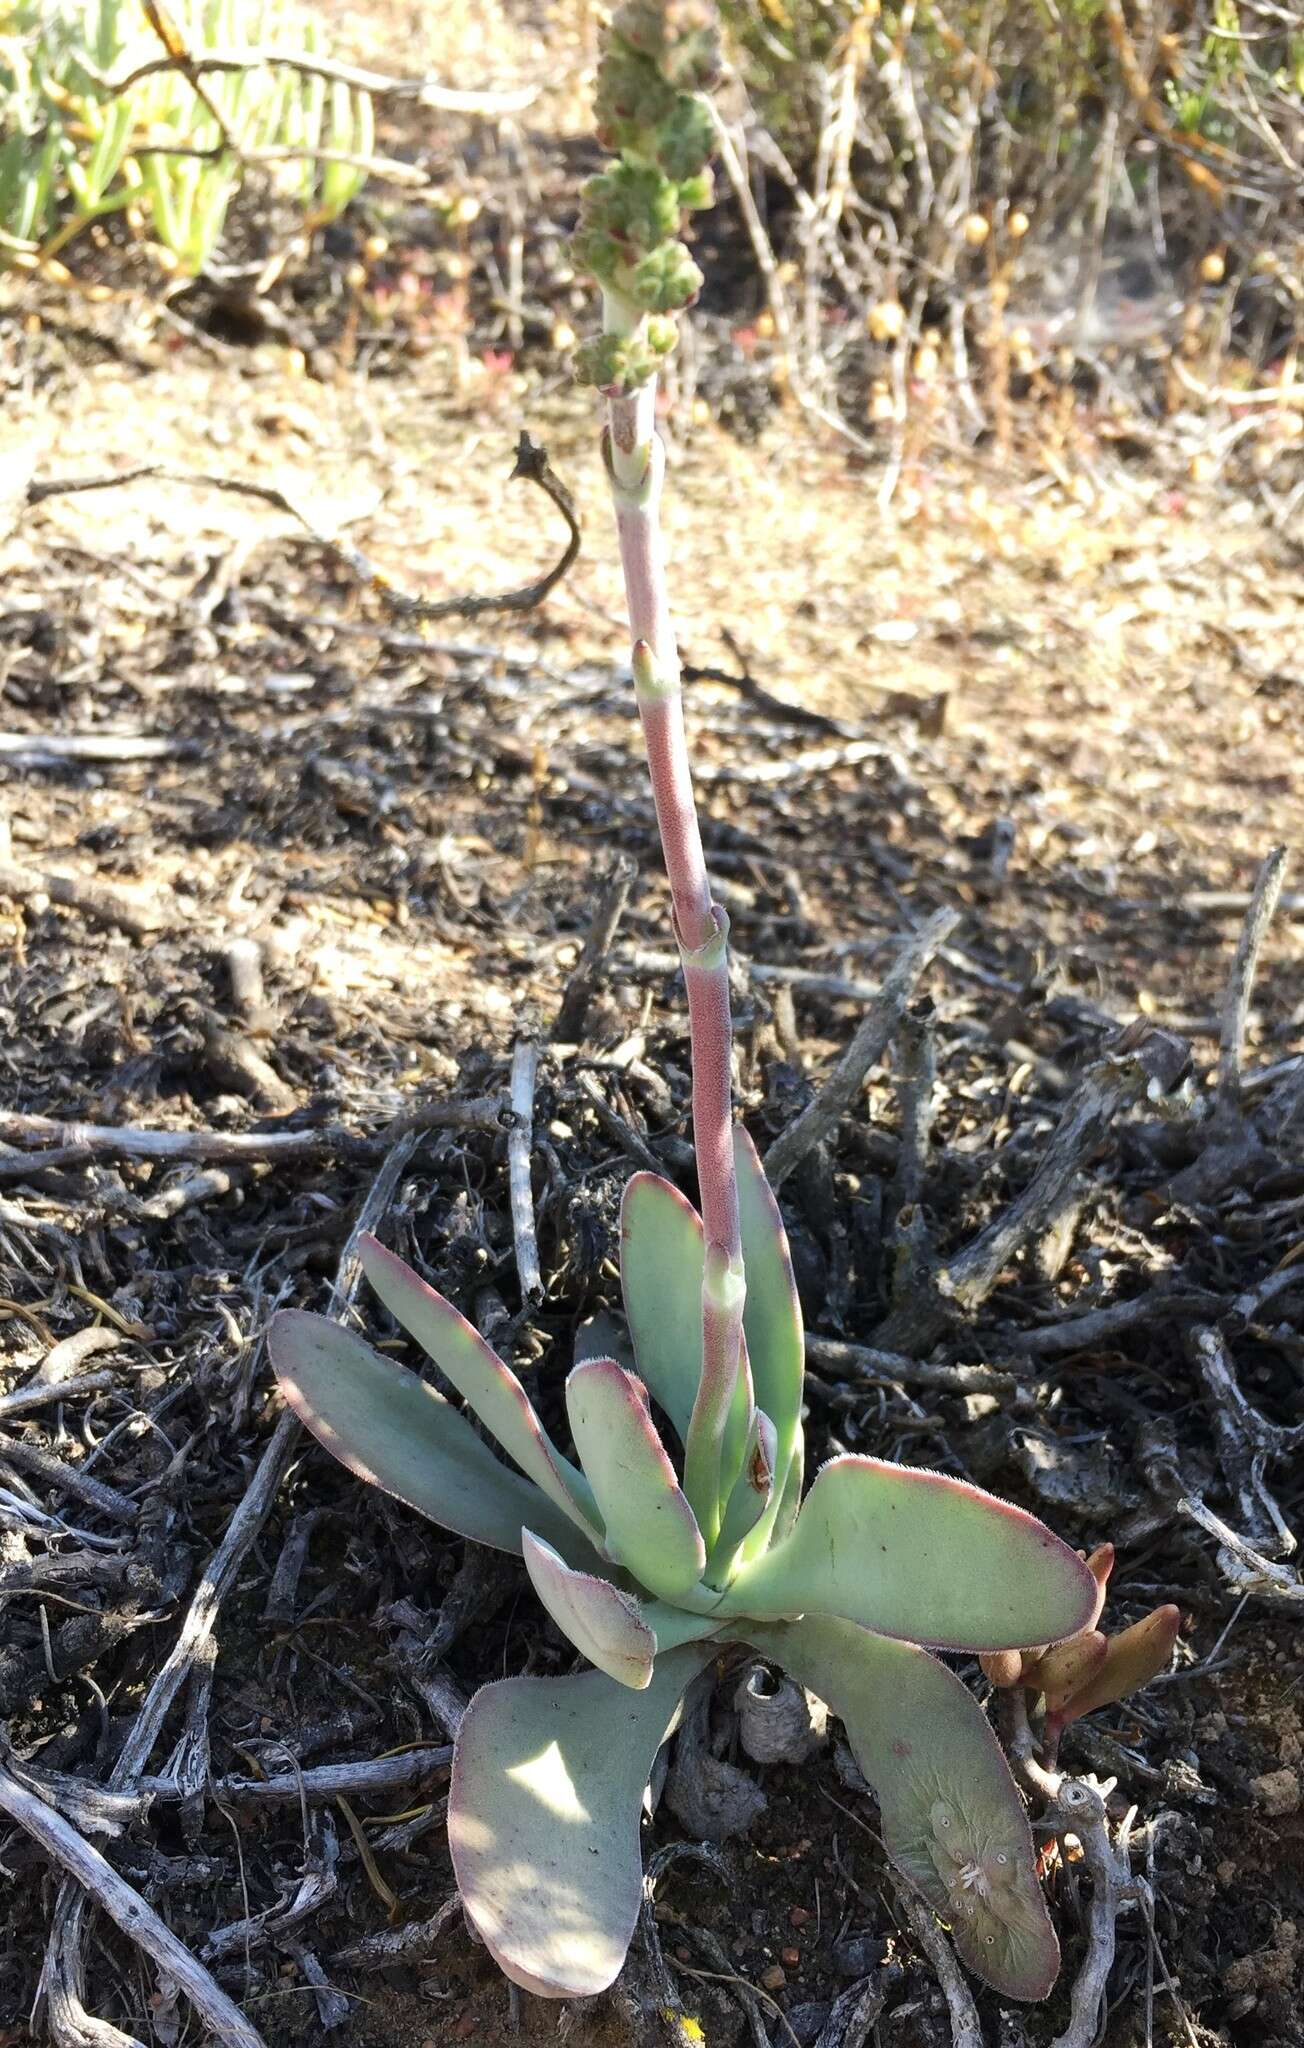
<point x="531" y="463"/>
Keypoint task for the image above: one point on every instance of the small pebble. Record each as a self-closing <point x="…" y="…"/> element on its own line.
<point x="799" y="1916"/>
<point x="1277" y="1792"/>
<point x="773" y="1979"/>
<point x="790" y="1957"/>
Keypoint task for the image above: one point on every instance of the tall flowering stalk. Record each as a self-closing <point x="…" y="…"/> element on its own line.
<point x="659" y="55"/>
<point x="649" y="1576"/>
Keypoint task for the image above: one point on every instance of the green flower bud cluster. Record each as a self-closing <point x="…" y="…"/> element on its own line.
<point x="659" y="55"/>
<point x="620" y="362"/>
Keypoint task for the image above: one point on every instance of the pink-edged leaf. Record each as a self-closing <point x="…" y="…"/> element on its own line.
<point x="543" y="1819"/>
<point x="650" y="1528"/>
<point x="662" y="1252"/>
<point x="919" y="1556"/>
<point x="481" y="1378"/>
<point x="391" y="1429"/>
<point x="772" y="1313"/>
<point x="951" y="1816"/>
<point x="604" y="1624"/>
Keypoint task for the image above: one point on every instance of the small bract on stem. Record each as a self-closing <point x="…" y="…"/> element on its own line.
<point x="676" y="1528"/>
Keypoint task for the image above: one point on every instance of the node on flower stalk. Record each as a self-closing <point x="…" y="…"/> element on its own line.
<point x="675" y="1528"/>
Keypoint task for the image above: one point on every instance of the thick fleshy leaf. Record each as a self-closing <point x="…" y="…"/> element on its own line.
<point x="481" y="1378"/>
<point x="662" y="1252"/>
<point x="543" y="1819"/>
<point x="752" y="1495"/>
<point x="1100" y="1563"/>
<point x="390" y="1428"/>
<point x="650" y="1527"/>
<point x="788" y="1508"/>
<point x="604" y="1624"/>
<point x="920" y="1556"/>
<point x="952" y="1818"/>
<point x="662" y="1259"/>
<point x="772" y="1312"/>
<point x="1061" y="1672"/>
<point x="1132" y="1658"/>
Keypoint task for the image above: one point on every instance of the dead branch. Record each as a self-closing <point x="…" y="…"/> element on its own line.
<point x="42" y="1394"/>
<point x="55" y="750"/>
<point x="1245" y="1569"/>
<point x="1263" y="902"/>
<point x="324" y="1782"/>
<point x="1143" y="1061"/>
<point x="399" y="1944"/>
<point x="917" y="1089"/>
<point x="520" y="1141"/>
<point x="1106" y="1088"/>
<point x="868" y="1045"/>
<point x="1246" y="1441"/>
<point x="616" y="1126"/>
<point x="427" y="92"/>
<point x="854" y="2015"/>
<point x="531" y="463"/>
<point x="127" y="1909"/>
<point x="578" y="994"/>
<point x="1098" y="1326"/>
<point x="67" y="1479"/>
<point x="870" y="1367"/>
<point x="38" y="888"/>
<point x="1078" y="1809"/>
<point x="244" y="965"/>
<point x="966" y="2032"/>
<point x="55" y="1143"/>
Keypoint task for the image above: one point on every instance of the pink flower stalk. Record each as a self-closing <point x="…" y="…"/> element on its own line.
<point x="635" y="461"/>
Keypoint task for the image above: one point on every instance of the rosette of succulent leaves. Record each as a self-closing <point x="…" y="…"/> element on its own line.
<point x="676" y="1525"/>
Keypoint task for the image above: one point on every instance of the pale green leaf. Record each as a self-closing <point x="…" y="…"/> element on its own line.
<point x="391" y="1429"/>
<point x="604" y="1624"/>
<point x="650" y="1527"/>
<point x="920" y="1556"/>
<point x="481" y="1378"/>
<point x="772" y="1314"/>
<point x="543" y="1819"/>
<point x="661" y="1258"/>
<point x="951" y="1816"/>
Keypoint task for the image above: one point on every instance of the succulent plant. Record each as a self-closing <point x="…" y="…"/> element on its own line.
<point x="677" y="1528"/>
<point x="74" y="149"/>
<point x="651" y="1582"/>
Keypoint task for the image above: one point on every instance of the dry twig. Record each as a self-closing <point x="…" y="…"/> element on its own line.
<point x="868" y="1045"/>
<point x="89" y="1870"/>
<point x="531" y="463"/>
<point x="520" y="1141"/>
<point x="578" y="994"/>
